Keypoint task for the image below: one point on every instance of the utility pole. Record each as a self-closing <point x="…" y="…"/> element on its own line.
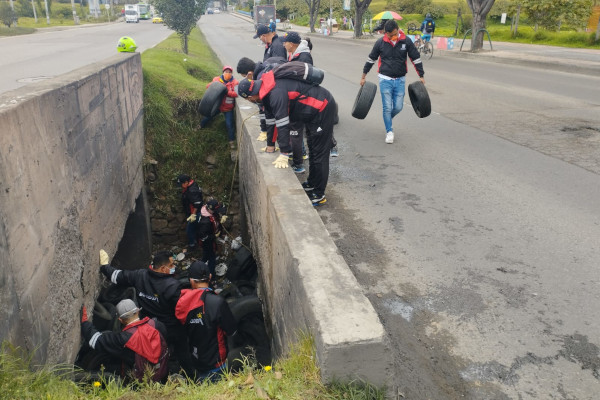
<point x="330" y="16"/>
<point x="75" y="19"/>
<point x="47" y="12"/>
<point x="34" y="12"/>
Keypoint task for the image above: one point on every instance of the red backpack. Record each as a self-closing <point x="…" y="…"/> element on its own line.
<point x="150" y="348"/>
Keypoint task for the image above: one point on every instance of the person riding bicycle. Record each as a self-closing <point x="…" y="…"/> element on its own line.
<point x="427" y="28"/>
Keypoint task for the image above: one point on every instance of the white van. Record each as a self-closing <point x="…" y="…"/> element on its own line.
<point x="131" y="16"/>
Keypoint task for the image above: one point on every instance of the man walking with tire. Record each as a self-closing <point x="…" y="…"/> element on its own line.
<point x="191" y="200"/>
<point x="208" y="322"/>
<point x="392" y="50"/>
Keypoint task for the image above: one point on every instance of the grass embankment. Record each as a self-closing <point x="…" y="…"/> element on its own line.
<point x="295" y="377"/>
<point x="174" y="83"/>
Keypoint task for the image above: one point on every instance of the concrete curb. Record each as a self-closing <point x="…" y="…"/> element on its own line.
<point x="305" y="284"/>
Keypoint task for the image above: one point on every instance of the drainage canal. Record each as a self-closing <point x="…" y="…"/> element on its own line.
<point x="235" y="281"/>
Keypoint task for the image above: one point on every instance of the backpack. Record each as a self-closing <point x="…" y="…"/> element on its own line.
<point x="429" y="26"/>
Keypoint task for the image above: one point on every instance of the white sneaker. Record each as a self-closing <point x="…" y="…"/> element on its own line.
<point x="389" y="137"/>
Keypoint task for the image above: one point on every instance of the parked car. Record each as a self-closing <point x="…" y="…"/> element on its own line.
<point x="217" y="10"/>
<point x="157" y="20"/>
<point x="210" y="11"/>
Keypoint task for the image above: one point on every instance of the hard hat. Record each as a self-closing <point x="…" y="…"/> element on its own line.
<point x="126" y="44"/>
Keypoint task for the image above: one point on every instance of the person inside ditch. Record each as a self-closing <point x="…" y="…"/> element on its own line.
<point x="157" y="294"/>
<point x="192" y="201"/>
<point x="208" y="322"/>
<point x="140" y="346"/>
<point x="212" y="215"/>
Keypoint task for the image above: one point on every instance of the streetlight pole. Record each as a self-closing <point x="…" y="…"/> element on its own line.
<point x="330" y="16"/>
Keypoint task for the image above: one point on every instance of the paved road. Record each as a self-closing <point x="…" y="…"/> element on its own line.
<point x="55" y="51"/>
<point x="476" y="234"/>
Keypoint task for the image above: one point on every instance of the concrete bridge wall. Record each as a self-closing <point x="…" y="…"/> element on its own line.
<point x="305" y="283"/>
<point x="71" y="152"/>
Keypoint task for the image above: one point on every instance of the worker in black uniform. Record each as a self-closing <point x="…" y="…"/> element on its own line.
<point x="209" y="229"/>
<point x="191" y="200"/>
<point x="254" y="70"/>
<point x="141" y="345"/>
<point x="157" y="293"/>
<point x="288" y="100"/>
<point x="208" y="321"/>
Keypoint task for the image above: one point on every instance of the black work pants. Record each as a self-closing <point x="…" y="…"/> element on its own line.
<point x="319" y="136"/>
<point x="178" y="346"/>
<point x="296" y="138"/>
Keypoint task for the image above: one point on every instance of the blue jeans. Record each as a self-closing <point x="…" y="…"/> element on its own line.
<point x="392" y="97"/>
<point x="191" y="230"/>
<point x="229" y="123"/>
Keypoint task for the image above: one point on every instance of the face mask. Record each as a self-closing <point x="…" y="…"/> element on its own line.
<point x="227" y="76"/>
<point x="172" y="271"/>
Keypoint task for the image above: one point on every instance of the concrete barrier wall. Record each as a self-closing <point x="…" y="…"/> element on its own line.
<point x="71" y="152"/>
<point x="305" y="283"/>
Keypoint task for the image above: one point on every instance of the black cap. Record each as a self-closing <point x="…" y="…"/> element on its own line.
<point x="199" y="270"/>
<point x="249" y="87"/>
<point x="261" y="30"/>
<point x="183" y="178"/>
<point x="211" y="205"/>
<point x="292" y="37"/>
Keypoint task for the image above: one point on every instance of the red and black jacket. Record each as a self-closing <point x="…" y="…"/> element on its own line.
<point x="157" y="293"/>
<point x="139" y="345"/>
<point x="191" y="198"/>
<point x="393" y="57"/>
<point x="288" y="100"/>
<point x="228" y="101"/>
<point x="208" y="321"/>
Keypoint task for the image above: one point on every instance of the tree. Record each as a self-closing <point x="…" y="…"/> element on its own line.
<point x="7" y="15"/>
<point x="313" y="12"/>
<point x="181" y="16"/>
<point x="551" y="14"/>
<point x="480" y="10"/>
<point x="360" y="8"/>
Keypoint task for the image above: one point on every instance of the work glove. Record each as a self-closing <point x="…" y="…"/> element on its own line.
<point x="262" y="137"/>
<point x="223" y="219"/>
<point x="104" y="258"/>
<point x="282" y="161"/>
<point x="84" y="316"/>
<point x="191" y="218"/>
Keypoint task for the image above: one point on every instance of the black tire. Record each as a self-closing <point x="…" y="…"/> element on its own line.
<point x="364" y="99"/>
<point x="259" y="356"/>
<point x="94" y="360"/>
<point x="242" y="266"/>
<point x="114" y="294"/>
<point x="419" y="98"/>
<point x="251" y="332"/>
<point x="103" y="317"/>
<point x="245" y="306"/>
<point x="246" y="288"/>
<point x="230" y="293"/>
<point x="412" y="27"/>
<point x="209" y="105"/>
<point x="115" y="324"/>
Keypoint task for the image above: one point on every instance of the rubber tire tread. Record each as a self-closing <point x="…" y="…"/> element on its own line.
<point x="211" y="101"/>
<point x="235" y="356"/>
<point x="364" y="100"/>
<point x="419" y="98"/>
<point x="244" y="306"/>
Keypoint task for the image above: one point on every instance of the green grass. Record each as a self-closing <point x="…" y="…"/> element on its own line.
<point x="293" y="377"/>
<point x="174" y="83"/>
